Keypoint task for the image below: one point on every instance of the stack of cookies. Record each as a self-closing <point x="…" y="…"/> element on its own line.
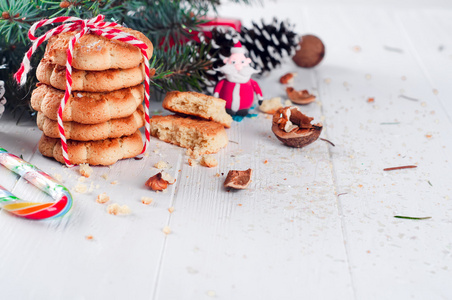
<point x="104" y="113"/>
<point x="198" y="125"/>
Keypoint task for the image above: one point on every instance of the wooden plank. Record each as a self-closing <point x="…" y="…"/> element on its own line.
<point x="279" y="239"/>
<point x="369" y="55"/>
<point x="432" y="51"/>
<point x="20" y="139"/>
<point x="121" y="260"/>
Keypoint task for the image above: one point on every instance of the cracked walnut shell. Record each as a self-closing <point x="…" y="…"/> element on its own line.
<point x="293" y="128"/>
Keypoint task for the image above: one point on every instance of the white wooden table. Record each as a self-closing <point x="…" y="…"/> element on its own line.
<point x="316" y="223"/>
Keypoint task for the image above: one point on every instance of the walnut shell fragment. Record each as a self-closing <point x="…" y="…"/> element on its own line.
<point x="159" y="181"/>
<point x="299" y="97"/>
<point x="238" y="180"/>
<point x="293" y="128"/>
<point x="287" y="78"/>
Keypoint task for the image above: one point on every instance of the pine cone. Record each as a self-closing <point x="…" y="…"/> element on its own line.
<point x="267" y="45"/>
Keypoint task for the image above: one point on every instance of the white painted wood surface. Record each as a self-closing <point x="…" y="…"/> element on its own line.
<point x="316" y="223"/>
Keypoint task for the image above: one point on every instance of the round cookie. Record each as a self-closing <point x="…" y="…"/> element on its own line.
<point x="95" y="53"/>
<point x="93" y="132"/>
<point x="89" y="81"/>
<point x="87" y="107"/>
<point x="105" y="152"/>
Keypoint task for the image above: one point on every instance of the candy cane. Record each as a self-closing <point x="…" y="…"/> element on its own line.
<point x="33" y="210"/>
<point x="97" y="26"/>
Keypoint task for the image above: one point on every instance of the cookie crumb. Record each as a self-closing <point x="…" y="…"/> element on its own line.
<point x="192" y="153"/>
<point x="85" y="170"/>
<point x="114" y="182"/>
<point x="81" y="188"/>
<point x="168" y="177"/>
<point x="208" y="161"/>
<point x="146" y="200"/>
<point x="287" y="102"/>
<point x="116" y="209"/>
<point x="58" y="177"/>
<point x="166" y="230"/>
<point x="217" y="175"/>
<point x="89" y="237"/>
<point x="161" y="165"/>
<point x="104" y="176"/>
<point x="191" y="162"/>
<point x="102" y="198"/>
<point x="211" y="293"/>
<point x="125" y="210"/>
<point x="171" y="209"/>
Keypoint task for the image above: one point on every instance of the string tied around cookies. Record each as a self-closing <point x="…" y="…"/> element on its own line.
<point x="97" y="26"/>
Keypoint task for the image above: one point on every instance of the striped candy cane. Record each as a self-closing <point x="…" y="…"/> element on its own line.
<point x="97" y="26"/>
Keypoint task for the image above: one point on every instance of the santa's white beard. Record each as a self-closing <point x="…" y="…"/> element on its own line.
<point x="232" y="75"/>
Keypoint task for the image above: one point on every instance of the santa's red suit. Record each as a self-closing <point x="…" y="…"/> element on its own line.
<point x="238" y="96"/>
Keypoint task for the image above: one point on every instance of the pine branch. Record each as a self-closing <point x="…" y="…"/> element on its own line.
<point x="163" y="22"/>
<point x="182" y="67"/>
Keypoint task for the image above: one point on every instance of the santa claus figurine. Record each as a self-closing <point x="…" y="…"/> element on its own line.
<point x="238" y="88"/>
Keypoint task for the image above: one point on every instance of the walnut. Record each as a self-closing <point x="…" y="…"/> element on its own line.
<point x="311" y="52"/>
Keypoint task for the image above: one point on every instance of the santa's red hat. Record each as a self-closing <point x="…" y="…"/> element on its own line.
<point x="237" y="48"/>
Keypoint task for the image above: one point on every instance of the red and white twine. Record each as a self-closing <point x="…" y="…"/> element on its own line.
<point x="97" y="26"/>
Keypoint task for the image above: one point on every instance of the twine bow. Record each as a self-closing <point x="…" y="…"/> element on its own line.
<point x="97" y="26"/>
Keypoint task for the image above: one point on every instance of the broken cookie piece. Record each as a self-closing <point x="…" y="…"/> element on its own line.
<point x="208" y="161"/>
<point x="238" y="179"/>
<point x="271" y="105"/>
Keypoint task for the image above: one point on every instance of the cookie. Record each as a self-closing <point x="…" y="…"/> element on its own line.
<point x="199" y="105"/>
<point x="198" y="135"/>
<point x="89" y="81"/>
<point x="105" y="152"/>
<point x="93" y="132"/>
<point x="87" y="107"/>
<point x="97" y="53"/>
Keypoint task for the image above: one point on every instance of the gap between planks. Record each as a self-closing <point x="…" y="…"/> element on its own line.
<point x="317" y="80"/>
<point x="168" y="223"/>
